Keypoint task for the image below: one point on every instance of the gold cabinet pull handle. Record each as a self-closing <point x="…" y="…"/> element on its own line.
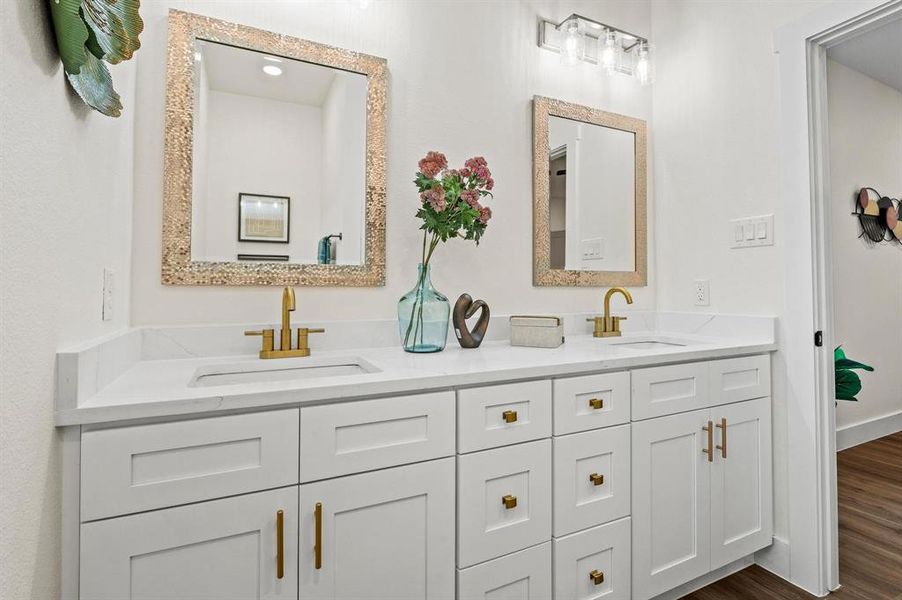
<point x="710" y="449"/>
<point x="318" y="540"/>
<point x="596" y="479"/>
<point x="280" y="544"/>
<point x="597" y="577"/>
<point x="509" y="416"/>
<point x="509" y="501"/>
<point x="723" y="438"/>
<point x="596" y="403"/>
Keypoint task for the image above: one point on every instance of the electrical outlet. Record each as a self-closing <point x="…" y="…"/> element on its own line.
<point x="109" y="280"/>
<point x="702" y="292"/>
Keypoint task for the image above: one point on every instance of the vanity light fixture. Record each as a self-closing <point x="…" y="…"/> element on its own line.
<point x="580" y="39"/>
<point x="272" y="70"/>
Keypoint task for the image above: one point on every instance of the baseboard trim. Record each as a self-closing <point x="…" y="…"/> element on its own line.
<point x="707" y="579"/>
<point x="866" y="431"/>
<point x="775" y="558"/>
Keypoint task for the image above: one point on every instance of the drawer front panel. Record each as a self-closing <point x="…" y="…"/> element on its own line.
<point x="659" y="391"/>
<point x="590" y="402"/>
<point x="594" y="563"/>
<point x="142" y="467"/>
<point x="591" y="478"/>
<point x="353" y="437"/>
<point x="736" y="379"/>
<point x="504" y="501"/>
<point x="501" y="415"/>
<point x="524" y="575"/>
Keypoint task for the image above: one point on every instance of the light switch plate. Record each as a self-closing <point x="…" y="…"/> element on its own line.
<point x="752" y="231"/>
<point x="592" y="249"/>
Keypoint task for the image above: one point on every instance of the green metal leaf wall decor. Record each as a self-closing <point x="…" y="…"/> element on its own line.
<point x="89" y="32"/>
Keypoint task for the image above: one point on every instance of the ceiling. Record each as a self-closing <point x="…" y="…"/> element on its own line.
<point x="876" y="53"/>
<point x="240" y="71"/>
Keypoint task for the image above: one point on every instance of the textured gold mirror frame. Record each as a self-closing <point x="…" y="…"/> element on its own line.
<point x="543" y="274"/>
<point x="177" y="266"/>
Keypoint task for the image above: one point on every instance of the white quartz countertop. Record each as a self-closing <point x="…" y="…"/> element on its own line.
<point x="161" y="388"/>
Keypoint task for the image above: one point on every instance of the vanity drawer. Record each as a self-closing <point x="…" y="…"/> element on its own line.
<point x="591" y="478"/>
<point x="500" y="415"/>
<point x="590" y="402"/>
<point x="524" y="575"/>
<point x="339" y="439"/>
<point x="736" y="379"/>
<point x="142" y="467"/>
<point x="504" y="501"/>
<point x="658" y="391"/>
<point x="594" y="563"/>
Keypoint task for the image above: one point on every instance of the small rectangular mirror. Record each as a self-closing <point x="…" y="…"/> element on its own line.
<point x="274" y="159"/>
<point x="589" y="203"/>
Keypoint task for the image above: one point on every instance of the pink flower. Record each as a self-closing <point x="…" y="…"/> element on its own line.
<point x="489" y="183"/>
<point x="479" y="167"/>
<point x="435" y="196"/>
<point x="465" y="173"/>
<point x="485" y="213"/>
<point x="471" y="197"/>
<point x="433" y="163"/>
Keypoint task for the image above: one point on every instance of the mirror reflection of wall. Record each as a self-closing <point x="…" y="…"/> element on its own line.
<point x="268" y="126"/>
<point x="591" y="196"/>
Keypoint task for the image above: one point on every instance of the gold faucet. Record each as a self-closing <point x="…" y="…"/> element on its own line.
<point x="285" y="350"/>
<point x="608" y="326"/>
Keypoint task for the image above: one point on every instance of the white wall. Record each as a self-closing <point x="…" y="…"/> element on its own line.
<point x="461" y="78"/>
<point x="865" y="121"/>
<point x="65" y="213"/>
<point x="716" y="107"/>
<point x="261" y="146"/>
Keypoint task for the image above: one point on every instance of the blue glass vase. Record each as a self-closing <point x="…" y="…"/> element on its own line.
<point x="423" y="316"/>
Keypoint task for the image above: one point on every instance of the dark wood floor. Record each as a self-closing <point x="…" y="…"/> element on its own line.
<point x="870" y="533"/>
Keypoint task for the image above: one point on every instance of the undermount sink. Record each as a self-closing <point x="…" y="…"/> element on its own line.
<point x="648" y="345"/>
<point x="279" y="370"/>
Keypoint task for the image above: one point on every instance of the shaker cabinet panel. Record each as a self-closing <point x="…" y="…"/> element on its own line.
<point x="500" y="415"/>
<point x="594" y="564"/>
<point x="504" y="501"/>
<point x="591" y="478"/>
<point x="591" y="402"/>
<point x="741" y="481"/>
<point x="736" y="379"/>
<point x="670" y="389"/>
<point x="670" y="510"/>
<point x="218" y="549"/>
<point x="353" y="437"/>
<point x="143" y="467"/>
<point x="387" y="534"/>
<point x="523" y="575"/>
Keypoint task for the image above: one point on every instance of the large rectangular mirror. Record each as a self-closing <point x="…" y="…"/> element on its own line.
<point x="274" y="159"/>
<point x="590" y="204"/>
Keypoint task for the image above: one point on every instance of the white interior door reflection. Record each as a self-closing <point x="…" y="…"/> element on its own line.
<point x="592" y="196"/>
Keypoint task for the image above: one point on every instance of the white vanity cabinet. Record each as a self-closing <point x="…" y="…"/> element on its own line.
<point x="614" y="485"/>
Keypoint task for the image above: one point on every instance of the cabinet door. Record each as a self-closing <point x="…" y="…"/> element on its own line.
<point x="671" y="495"/>
<point x="741" y="481"/>
<point x="594" y="564"/>
<point x="386" y="534"/>
<point x="225" y="549"/>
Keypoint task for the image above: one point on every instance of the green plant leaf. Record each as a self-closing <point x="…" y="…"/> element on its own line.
<point x="848" y="384"/>
<point x="116" y="25"/>
<point x="95" y="86"/>
<point x="71" y="33"/>
<point x="847" y="363"/>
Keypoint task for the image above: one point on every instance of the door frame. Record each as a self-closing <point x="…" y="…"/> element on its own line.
<point x="808" y="304"/>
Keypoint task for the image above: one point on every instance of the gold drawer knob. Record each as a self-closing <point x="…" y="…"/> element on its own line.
<point x="596" y="479"/>
<point x="597" y="577"/>
<point x="509" y="501"/>
<point x="509" y="416"/>
<point x="596" y="403"/>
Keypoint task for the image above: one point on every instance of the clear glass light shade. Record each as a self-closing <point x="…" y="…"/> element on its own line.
<point x="573" y="43"/>
<point x="609" y="53"/>
<point x="644" y="66"/>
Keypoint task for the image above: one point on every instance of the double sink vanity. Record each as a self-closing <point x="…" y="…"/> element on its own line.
<point x="618" y="467"/>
